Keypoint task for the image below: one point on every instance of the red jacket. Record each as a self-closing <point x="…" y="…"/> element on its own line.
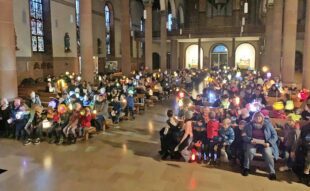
<point x="213" y="127"/>
<point x="86" y="121"/>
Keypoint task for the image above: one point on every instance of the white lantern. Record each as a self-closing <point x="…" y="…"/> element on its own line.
<point x="246" y="7"/>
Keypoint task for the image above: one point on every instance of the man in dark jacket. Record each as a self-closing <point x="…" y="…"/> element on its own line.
<point x="260" y="136"/>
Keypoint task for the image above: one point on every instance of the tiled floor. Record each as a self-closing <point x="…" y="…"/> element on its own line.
<point x="122" y="159"/>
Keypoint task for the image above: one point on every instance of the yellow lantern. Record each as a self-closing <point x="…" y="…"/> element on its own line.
<point x="289" y="105"/>
<point x="278" y="106"/>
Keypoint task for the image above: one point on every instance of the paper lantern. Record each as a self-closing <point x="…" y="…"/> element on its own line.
<point x="278" y="106"/>
<point x="289" y="106"/>
<point x="62" y="108"/>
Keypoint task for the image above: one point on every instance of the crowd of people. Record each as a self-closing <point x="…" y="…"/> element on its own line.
<point x="238" y="115"/>
<point x="241" y="115"/>
<point x="79" y="108"/>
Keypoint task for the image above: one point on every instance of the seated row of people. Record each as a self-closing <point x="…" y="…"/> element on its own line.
<point x="211" y="139"/>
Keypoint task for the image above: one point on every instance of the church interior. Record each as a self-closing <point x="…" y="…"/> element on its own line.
<point x="123" y="95"/>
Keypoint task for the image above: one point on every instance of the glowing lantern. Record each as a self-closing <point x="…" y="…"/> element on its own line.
<point x="82" y="112"/>
<point x="180" y="103"/>
<point x="269" y="75"/>
<point x="193" y="157"/>
<point x="303" y="94"/>
<point x="289" y="106"/>
<point x="278" y="106"/>
<point x="62" y="108"/>
<point x="265" y="69"/>
<point x="70" y="106"/>
<point x="238" y="74"/>
<point x="294" y="116"/>
<point x="237" y="100"/>
<point x="150" y="92"/>
<point x="79" y="78"/>
<point x="67" y="73"/>
<point x="95" y="112"/>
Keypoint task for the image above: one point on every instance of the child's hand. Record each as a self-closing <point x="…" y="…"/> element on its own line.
<point x="253" y="142"/>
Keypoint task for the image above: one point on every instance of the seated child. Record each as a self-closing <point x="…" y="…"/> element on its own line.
<point x="226" y="138"/>
<point x="237" y="150"/>
<point x="73" y="123"/>
<point x="86" y="123"/>
<point x="291" y="134"/>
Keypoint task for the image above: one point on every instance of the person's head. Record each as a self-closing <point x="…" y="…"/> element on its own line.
<point x="198" y="97"/>
<point x="87" y="110"/>
<point x="212" y="115"/>
<point x="4" y="103"/>
<point x="78" y="106"/>
<point x="242" y="124"/>
<point x="32" y="95"/>
<point x="291" y="122"/>
<point x="226" y="123"/>
<point x="169" y="113"/>
<point x="258" y="120"/>
<point x="17" y="102"/>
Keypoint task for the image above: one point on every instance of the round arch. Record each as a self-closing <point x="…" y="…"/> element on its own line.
<point x="219" y="55"/>
<point x="191" y="57"/>
<point x="245" y="56"/>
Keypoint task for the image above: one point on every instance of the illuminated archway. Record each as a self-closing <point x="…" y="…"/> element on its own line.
<point x="245" y="56"/>
<point x="192" y="57"/>
<point x="219" y="55"/>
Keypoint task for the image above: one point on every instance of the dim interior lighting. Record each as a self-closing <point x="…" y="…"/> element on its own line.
<point x="265" y="69"/>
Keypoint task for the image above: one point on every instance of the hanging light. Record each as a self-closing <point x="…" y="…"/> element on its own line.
<point x="246" y="7"/>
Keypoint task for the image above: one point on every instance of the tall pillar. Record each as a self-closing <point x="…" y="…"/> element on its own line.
<point x="199" y="53"/>
<point x="268" y="38"/>
<point x="148" y="36"/>
<point x="233" y="55"/>
<point x="125" y="27"/>
<point x="277" y="37"/>
<point x="236" y="12"/>
<point x="86" y="36"/>
<point x="289" y="41"/>
<point x="138" y="54"/>
<point x="182" y="63"/>
<point x="306" y="58"/>
<point x="8" y="75"/>
<point x="163" y="40"/>
<point x="174" y="55"/>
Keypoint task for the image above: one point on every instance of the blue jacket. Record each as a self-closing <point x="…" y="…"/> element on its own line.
<point x="130" y="101"/>
<point x="227" y="136"/>
<point x="271" y="136"/>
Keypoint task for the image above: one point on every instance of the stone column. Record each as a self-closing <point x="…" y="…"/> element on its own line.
<point x="125" y="27"/>
<point x="268" y="38"/>
<point x="174" y="55"/>
<point x="277" y="37"/>
<point x="148" y="37"/>
<point x="199" y="54"/>
<point x="182" y="63"/>
<point x="289" y="41"/>
<point x="163" y="40"/>
<point x="86" y="36"/>
<point x="306" y="58"/>
<point x="232" y="63"/>
<point x="138" y="54"/>
<point x="8" y="75"/>
<point x="236" y="12"/>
